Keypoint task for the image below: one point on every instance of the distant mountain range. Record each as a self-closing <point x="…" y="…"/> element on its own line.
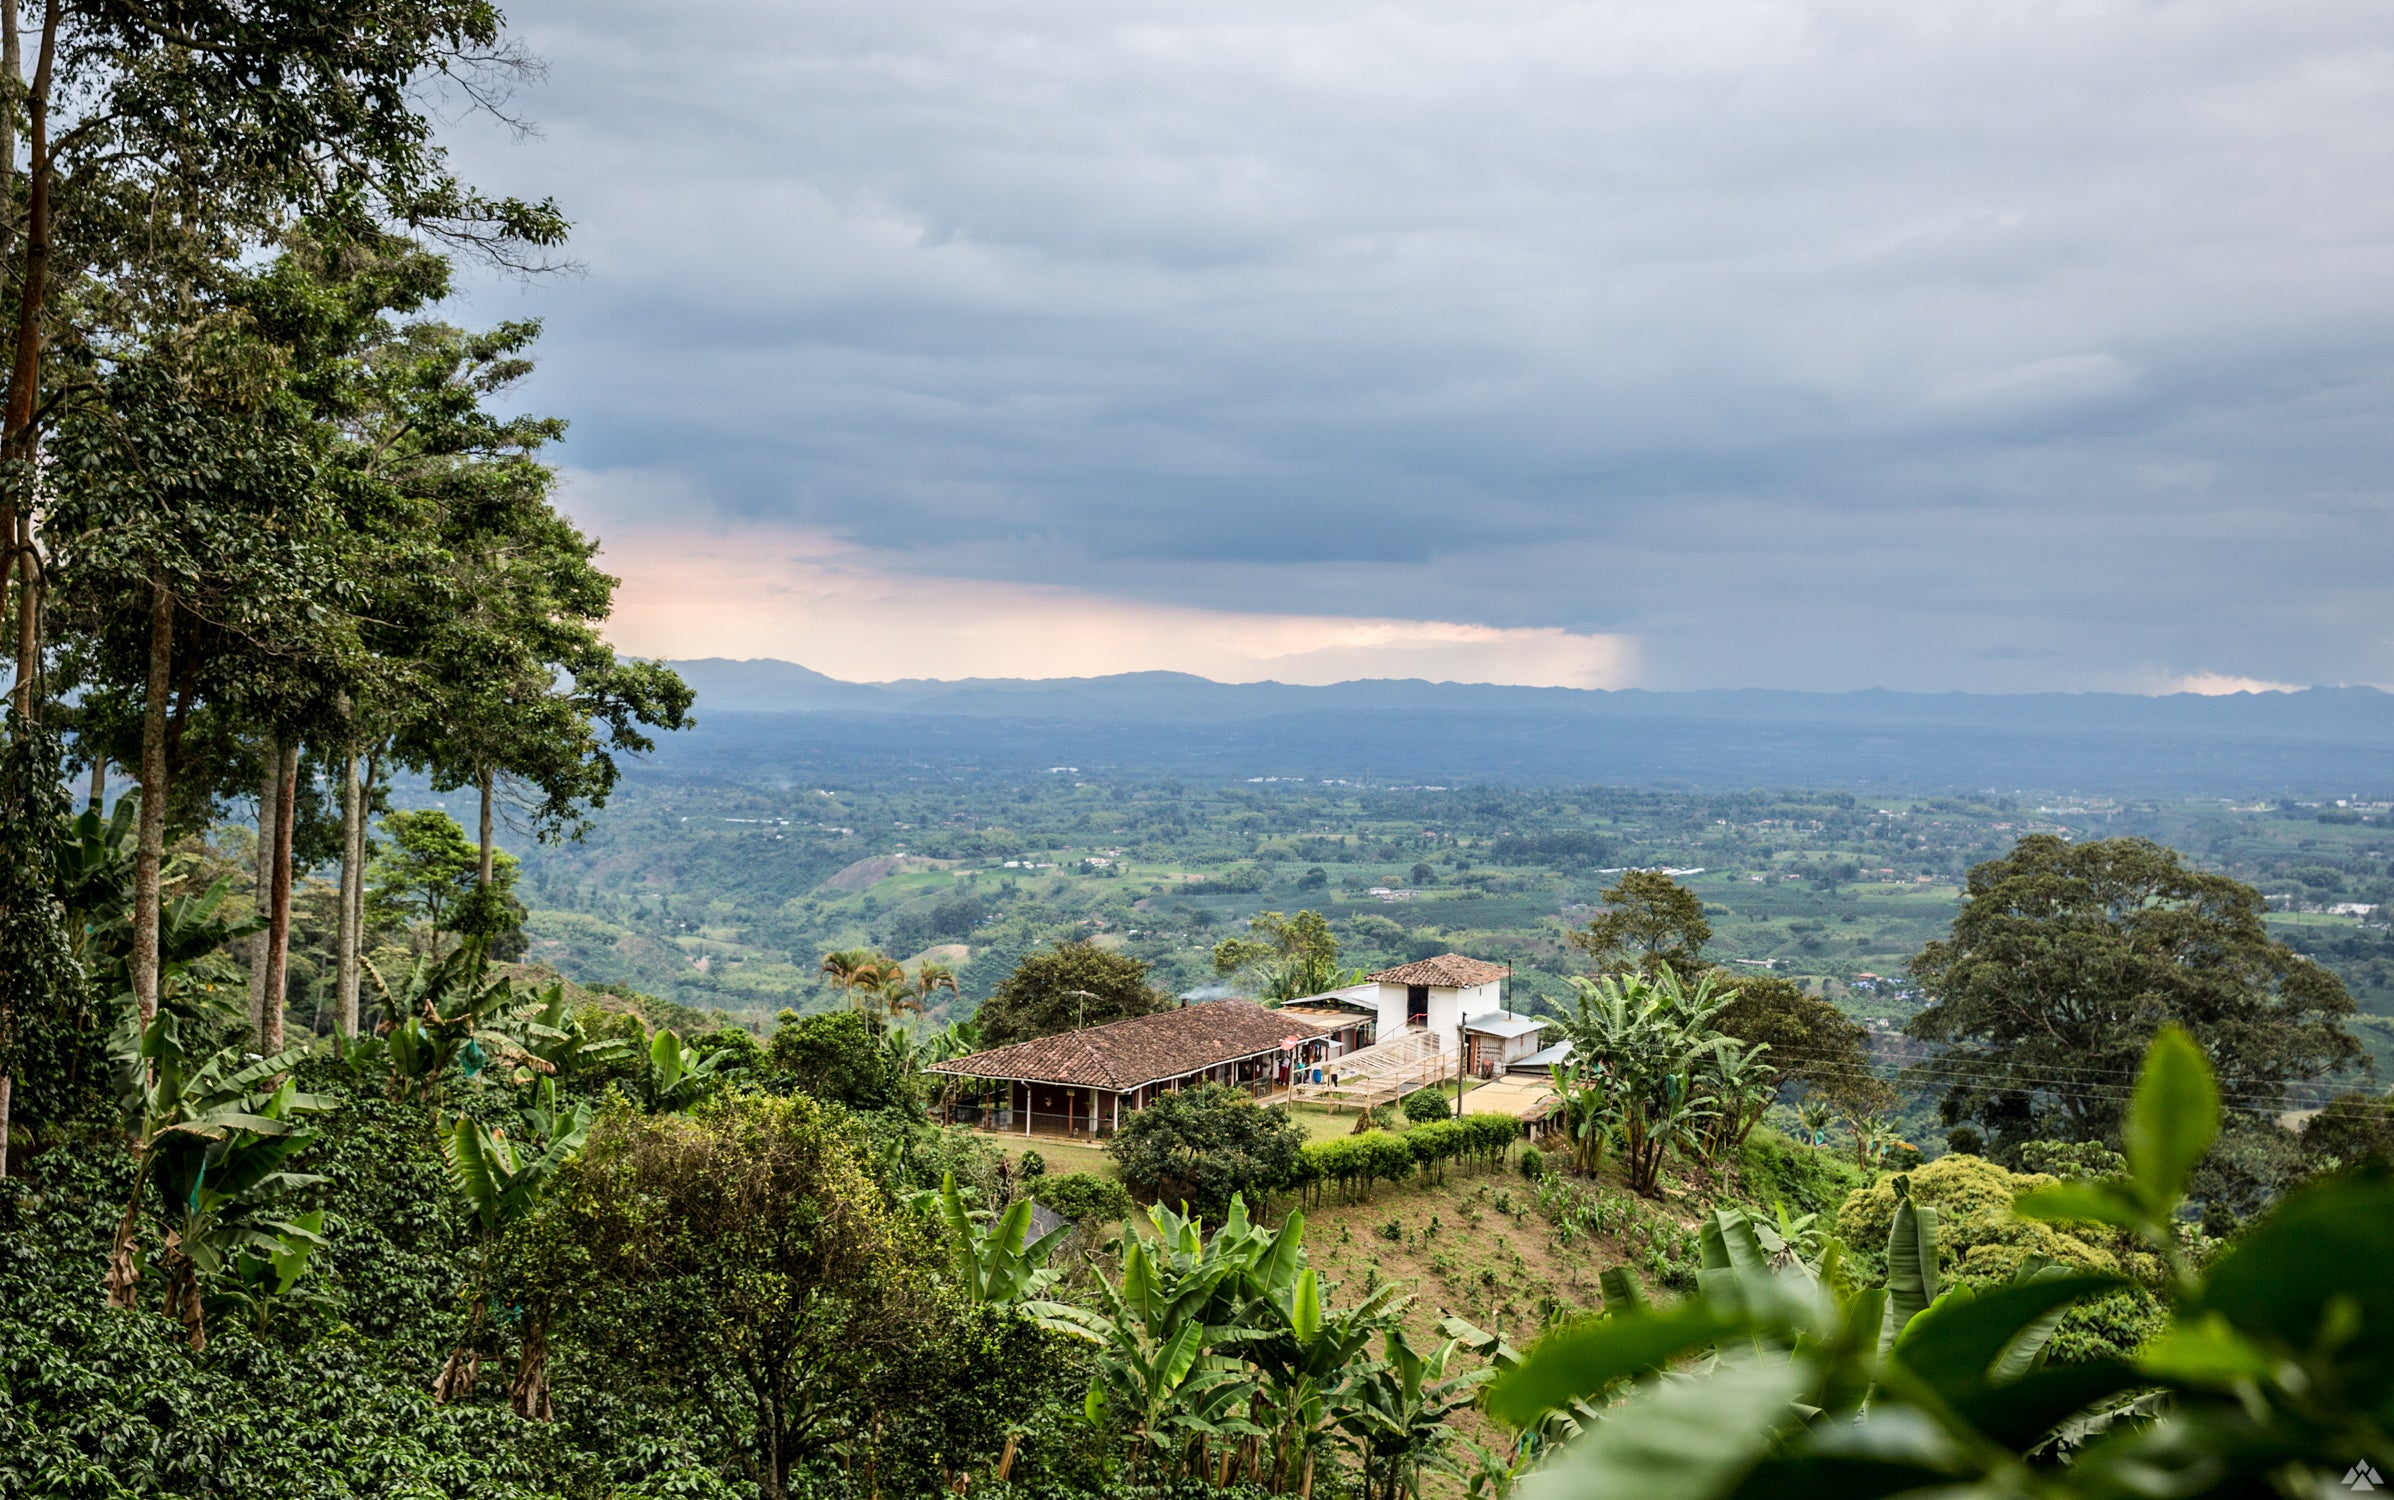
<point x="2320" y="742"/>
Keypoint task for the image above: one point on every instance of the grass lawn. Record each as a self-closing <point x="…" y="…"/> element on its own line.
<point x="1060" y="1156"/>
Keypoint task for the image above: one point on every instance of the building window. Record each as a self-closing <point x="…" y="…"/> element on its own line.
<point x="1417" y="1004"/>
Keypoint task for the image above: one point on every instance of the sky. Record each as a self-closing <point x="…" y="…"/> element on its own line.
<point x="1667" y="343"/>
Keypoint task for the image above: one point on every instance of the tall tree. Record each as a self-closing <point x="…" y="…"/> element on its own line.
<point x="2067" y="959"/>
<point x="1811" y="1041"/>
<point x="341" y="302"/>
<point x="188" y="547"/>
<point x="163" y="145"/>
<point x="1069" y="986"/>
<point x="229" y="116"/>
<point x="526" y="701"/>
<point x="1649" y="919"/>
<point x="1287" y="958"/>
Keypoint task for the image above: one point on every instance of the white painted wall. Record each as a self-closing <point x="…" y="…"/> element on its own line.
<point x="1448" y="1007"/>
<point x="1517" y="1047"/>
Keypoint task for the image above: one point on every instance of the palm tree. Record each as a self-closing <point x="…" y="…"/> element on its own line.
<point x="884" y="990"/>
<point x="929" y="980"/>
<point x="847" y="965"/>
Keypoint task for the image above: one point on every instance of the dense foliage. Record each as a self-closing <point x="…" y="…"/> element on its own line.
<point x="2270" y="1376"/>
<point x="2066" y="958"/>
<point x="1072" y="985"/>
<point x="1202" y="1146"/>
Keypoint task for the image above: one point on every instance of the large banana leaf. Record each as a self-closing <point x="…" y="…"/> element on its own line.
<point x="1585" y="1361"/>
<point x="1967" y="1340"/>
<point x="1911" y="1262"/>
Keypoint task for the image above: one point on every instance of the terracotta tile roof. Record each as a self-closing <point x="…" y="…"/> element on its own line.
<point x="1121" y="1055"/>
<point x="1446" y="971"/>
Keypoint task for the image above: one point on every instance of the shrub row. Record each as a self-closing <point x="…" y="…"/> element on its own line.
<point x="1355" y="1162"/>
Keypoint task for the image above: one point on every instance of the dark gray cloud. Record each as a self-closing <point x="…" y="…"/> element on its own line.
<point x="1830" y="345"/>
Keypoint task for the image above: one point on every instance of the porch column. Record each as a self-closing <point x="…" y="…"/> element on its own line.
<point x="1027" y="1097"/>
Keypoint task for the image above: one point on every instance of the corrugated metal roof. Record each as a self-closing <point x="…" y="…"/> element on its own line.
<point x="1539" y="1061"/>
<point x="1503" y="1023"/>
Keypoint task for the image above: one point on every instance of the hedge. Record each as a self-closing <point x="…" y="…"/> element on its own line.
<point x="1356" y="1162"/>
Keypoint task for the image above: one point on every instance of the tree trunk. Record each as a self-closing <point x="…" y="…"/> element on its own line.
<point x="99" y="768"/>
<point x="8" y="1087"/>
<point x="29" y="615"/>
<point x="365" y="844"/>
<point x="17" y="431"/>
<point x="150" y="846"/>
<point x="270" y="803"/>
<point x="529" y="1395"/>
<point x="8" y="554"/>
<point x="278" y="930"/>
<point x="12" y="68"/>
<point x="353" y="879"/>
<point x="483" y="869"/>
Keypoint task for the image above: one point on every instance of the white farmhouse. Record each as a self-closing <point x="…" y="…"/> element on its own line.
<point x="1436" y="994"/>
<point x="1438" y="1000"/>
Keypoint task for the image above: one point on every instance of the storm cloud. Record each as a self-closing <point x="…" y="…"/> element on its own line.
<point x="1826" y="345"/>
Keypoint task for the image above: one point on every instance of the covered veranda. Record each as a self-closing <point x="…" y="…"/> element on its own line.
<point x="1084" y="1084"/>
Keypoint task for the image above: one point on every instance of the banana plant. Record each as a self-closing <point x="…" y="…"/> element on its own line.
<point x="263" y="1277"/>
<point x="679" y="1076"/>
<point x="441" y="1012"/>
<point x="1585" y="1105"/>
<point x="551" y="1041"/>
<point x="1873" y="1139"/>
<point x="501" y="1185"/>
<point x="2272" y="1377"/>
<point x="956" y="1039"/>
<point x="194" y="977"/>
<point x="1495" y="1470"/>
<point x="1650" y="1038"/>
<point x="1305" y="1350"/>
<point x="94" y="878"/>
<point x="1396" y="1411"/>
<point x="214" y="1137"/>
<point x="1743" y="1087"/>
<point x="995" y="1260"/>
<point x="1163" y="1375"/>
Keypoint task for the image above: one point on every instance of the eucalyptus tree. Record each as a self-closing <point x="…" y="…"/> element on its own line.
<point x="523" y="699"/>
<point x="160" y="147"/>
